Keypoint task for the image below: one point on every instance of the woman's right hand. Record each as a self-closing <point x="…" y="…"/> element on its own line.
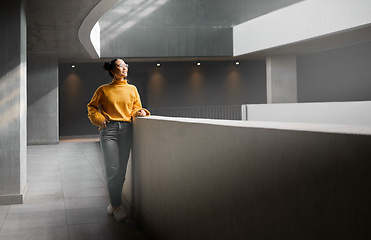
<point x="142" y="113"/>
<point x="104" y="123"/>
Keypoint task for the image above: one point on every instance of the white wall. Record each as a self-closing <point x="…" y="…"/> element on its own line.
<point x="347" y="113"/>
<point x="305" y="20"/>
<point x="215" y="179"/>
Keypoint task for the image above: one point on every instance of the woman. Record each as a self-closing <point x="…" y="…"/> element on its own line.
<point x="112" y="108"/>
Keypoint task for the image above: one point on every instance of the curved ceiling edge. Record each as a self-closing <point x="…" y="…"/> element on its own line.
<point x="89" y="22"/>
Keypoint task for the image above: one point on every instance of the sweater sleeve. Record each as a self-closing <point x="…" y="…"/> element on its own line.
<point x="137" y="105"/>
<point x="94" y="114"/>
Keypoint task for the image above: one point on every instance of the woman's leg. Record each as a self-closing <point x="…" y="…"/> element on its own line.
<point x="125" y="143"/>
<point x="115" y="172"/>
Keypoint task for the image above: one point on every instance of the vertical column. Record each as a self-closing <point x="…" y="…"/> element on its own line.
<point x="42" y="99"/>
<point x="281" y="79"/>
<point x="13" y="103"/>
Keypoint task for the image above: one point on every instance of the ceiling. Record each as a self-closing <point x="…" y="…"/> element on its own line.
<point x="53" y="25"/>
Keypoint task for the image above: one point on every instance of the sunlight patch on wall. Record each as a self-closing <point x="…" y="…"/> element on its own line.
<point x="10" y="106"/>
<point x="128" y="14"/>
<point x="95" y="38"/>
<point x="8" y="99"/>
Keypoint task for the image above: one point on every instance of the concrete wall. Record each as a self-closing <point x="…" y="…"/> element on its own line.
<point x="347" y="113"/>
<point x="341" y="74"/>
<point x="13" y="103"/>
<point x="209" y="179"/>
<point x="177" y="28"/>
<point x="282" y="79"/>
<point x="42" y="99"/>
<point x="185" y="42"/>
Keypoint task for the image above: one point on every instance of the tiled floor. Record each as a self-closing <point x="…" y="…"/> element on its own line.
<point x="67" y="198"/>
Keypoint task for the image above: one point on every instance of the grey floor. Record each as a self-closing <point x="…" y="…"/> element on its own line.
<point x="66" y="199"/>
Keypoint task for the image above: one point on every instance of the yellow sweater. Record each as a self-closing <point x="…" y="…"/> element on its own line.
<point x="118" y="101"/>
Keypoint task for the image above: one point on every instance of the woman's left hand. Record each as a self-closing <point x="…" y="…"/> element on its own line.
<point x="142" y="113"/>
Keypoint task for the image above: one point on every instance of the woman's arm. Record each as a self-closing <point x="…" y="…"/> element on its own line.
<point x="138" y="111"/>
<point x="94" y="113"/>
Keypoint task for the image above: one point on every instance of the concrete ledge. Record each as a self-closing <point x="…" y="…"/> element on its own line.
<point x="210" y="179"/>
<point x="289" y="126"/>
<point x="340" y="113"/>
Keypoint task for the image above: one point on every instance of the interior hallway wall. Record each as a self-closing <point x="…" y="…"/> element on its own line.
<point x="42" y="99"/>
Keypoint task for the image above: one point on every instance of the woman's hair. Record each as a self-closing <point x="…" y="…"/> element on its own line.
<point x="110" y="66"/>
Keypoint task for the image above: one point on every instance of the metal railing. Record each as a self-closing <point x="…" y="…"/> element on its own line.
<point x="227" y="112"/>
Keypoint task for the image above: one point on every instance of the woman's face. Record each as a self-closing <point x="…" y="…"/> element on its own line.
<point x="121" y="69"/>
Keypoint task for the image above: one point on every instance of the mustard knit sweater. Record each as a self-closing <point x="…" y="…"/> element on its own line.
<point x="118" y="101"/>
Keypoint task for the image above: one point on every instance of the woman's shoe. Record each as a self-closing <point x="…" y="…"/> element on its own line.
<point x="110" y="210"/>
<point x="121" y="214"/>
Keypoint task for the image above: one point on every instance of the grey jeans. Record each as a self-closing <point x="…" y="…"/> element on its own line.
<point x="116" y="141"/>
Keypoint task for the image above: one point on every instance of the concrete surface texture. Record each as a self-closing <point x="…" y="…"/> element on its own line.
<point x="206" y="180"/>
<point x="43" y="99"/>
<point x="13" y="104"/>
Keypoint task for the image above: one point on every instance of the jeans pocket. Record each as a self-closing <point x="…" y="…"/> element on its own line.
<point x="108" y="132"/>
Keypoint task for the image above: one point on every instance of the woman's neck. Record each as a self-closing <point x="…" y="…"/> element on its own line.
<point x="119" y="78"/>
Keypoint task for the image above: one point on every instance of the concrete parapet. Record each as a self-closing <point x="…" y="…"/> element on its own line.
<point x="344" y="113"/>
<point x="218" y="179"/>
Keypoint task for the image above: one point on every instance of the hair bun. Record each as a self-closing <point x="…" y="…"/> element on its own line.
<point x="109" y="66"/>
<point x="106" y="66"/>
